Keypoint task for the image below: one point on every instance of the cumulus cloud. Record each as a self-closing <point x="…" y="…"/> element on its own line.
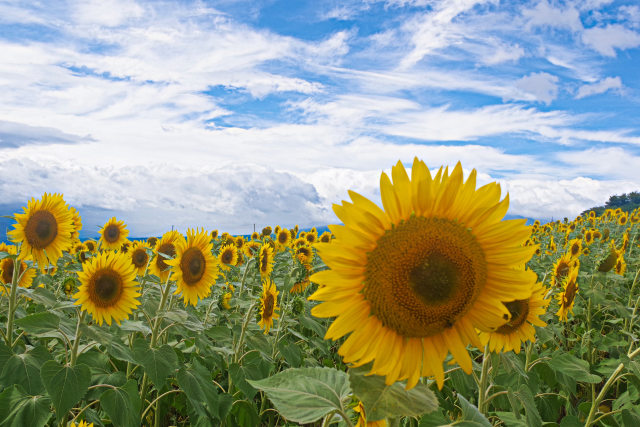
<point x="542" y="86"/>
<point x="550" y="16"/>
<point x="607" y="84"/>
<point x="605" y="40"/>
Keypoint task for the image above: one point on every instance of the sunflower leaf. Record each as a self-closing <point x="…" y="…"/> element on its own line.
<point x="382" y="401"/>
<point x="158" y="363"/>
<point x="305" y="395"/>
<point x="122" y="404"/>
<point x="66" y="385"/>
<point x="19" y="409"/>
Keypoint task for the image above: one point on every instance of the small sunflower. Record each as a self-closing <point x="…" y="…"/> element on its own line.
<point x="255" y="236"/>
<point x="7" y="266"/>
<point x="91" y="245"/>
<point x="266" y="231"/>
<point x="621" y="265"/>
<point x="152" y="241"/>
<point x="82" y="423"/>
<point x="77" y="223"/>
<point x="214" y="234"/>
<point x="588" y="237"/>
<point x="607" y="263"/>
<point x="69" y="286"/>
<point x="414" y="281"/>
<point x="224" y="301"/>
<point x="108" y="289"/>
<point x="304" y="254"/>
<point x="44" y="229"/>
<point x="195" y="268"/>
<point x="525" y="314"/>
<point x="228" y="256"/>
<point x="562" y="267"/>
<point x="165" y="246"/>
<point x="575" y="247"/>
<point x="283" y="238"/>
<point x="139" y="257"/>
<point x="265" y="261"/>
<point x="113" y="234"/>
<point x="300" y="286"/>
<point x="325" y="237"/>
<point x="252" y="248"/>
<point x="623" y="219"/>
<point x="567" y="297"/>
<point x="268" y="305"/>
<point x="311" y="237"/>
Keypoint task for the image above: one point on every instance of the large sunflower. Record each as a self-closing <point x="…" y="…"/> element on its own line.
<point x="195" y="269"/>
<point x="268" y="305"/>
<point x="108" y="288"/>
<point x="44" y="229"/>
<point x="567" y="297"/>
<point x="414" y="281"/>
<point x="165" y="246"/>
<point x="113" y="234"/>
<point x="520" y="328"/>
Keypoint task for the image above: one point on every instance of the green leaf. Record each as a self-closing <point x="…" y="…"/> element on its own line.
<point x="122" y="404"/>
<point x="526" y="397"/>
<point x="382" y="401"/>
<point x="66" y="385"/>
<point x="19" y="409"/>
<point x="569" y="365"/>
<point x="157" y="363"/>
<point x="291" y="353"/>
<point x="239" y="380"/>
<point x="39" y="323"/>
<point x="245" y="413"/>
<point x="23" y="370"/>
<point x="470" y="415"/>
<point x="305" y="395"/>
<point x="196" y="383"/>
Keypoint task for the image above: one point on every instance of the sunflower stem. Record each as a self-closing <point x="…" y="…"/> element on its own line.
<point x="245" y="323"/>
<point x="76" y="341"/>
<point x="596" y="402"/>
<point x="13" y="300"/>
<point x="484" y="379"/>
<point x="244" y="277"/>
<point x="284" y="314"/>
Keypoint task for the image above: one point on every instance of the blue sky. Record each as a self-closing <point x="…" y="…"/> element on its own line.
<point x="223" y="114"/>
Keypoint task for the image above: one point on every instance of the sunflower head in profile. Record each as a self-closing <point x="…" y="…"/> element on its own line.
<point x="113" y="234"/>
<point x="276" y="229"/>
<point x="224" y="301"/>
<point x="524" y="315"/>
<point x="139" y="257"/>
<point x="621" y="265"/>
<point x="568" y="295"/>
<point x="44" y="229"/>
<point x="266" y="231"/>
<point x="7" y="265"/>
<point x="195" y="269"/>
<point x="108" y="290"/>
<point x="362" y="418"/>
<point x="228" y="256"/>
<point x="300" y="287"/>
<point x="607" y="263"/>
<point x="561" y="268"/>
<point x="414" y="280"/>
<point x="268" y="305"/>
<point x="283" y="239"/>
<point x="152" y="241"/>
<point x="255" y="236"/>
<point x="165" y="249"/>
<point x="77" y="223"/>
<point x="91" y="245"/>
<point x="265" y="261"/>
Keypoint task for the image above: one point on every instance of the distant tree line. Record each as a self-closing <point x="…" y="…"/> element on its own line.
<point x="627" y="202"/>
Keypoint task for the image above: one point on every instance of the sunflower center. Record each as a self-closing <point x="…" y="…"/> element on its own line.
<point x="41" y="229"/>
<point x="167" y="249"/>
<point x="267" y="311"/>
<point x="227" y="256"/>
<point x="569" y="294"/>
<point x="575" y="249"/>
<point x="111" y="233"/>
<point x="192" y="265"/>
<point x="424" y="275"/>
<point x="264" y="262"/>
<point x="139" y="258"/>
<point x="107" y="287"/>
<point x="519" y="310"/>
<point x="7" y="270"/>
<point x="283" y="237"/>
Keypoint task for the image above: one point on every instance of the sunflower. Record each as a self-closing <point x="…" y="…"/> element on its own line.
<point x="266" y="231"/>
<point x="588" y="237"/>
<point x="300" y="286"/>
<point x="311" y="237"/>
<point x="562" y="267"/>
<point x="325" y="237"/>
<point x="25" y="275"/>
<point x="525" y="314"/>
<point x="304" y="254"/>
<point x="362" y="418"/>
<point x="265" y="261"/>
<point x="79" y="247"/>
<point x="622" y="219"/>
<point x="252" y="248"/>
<point x="605" y="234"/>
<point x="607" y="263"/>
<point x="125" y="246"/>
<point x="77" y="223"/>
<point x="44" y="229"/>
<point x="575" y="247"/>
<point x="255" y="236"/>
<point x="268" y="305"/>
<point x="139" y="257"/>
<point x="113" y="234"/>
<point x="414" y="281"/>
<point x="621" y="265"/>
<point x="69" y="286"/>
<point x="214" y="234"/>
<point x="152" y="241"/>
<point x="283" y="238"/>
<point x="90" y="245"/>
<point x="276" y="229"/>
<point x="165" y="246"/>
<point x="224" y="301"/>
<point x="195" y="268"/>
<point x="82" y="423"/>
<point x="228" y="256"/>
<point x="567" y="297"/>
<point x="108" y="288"/>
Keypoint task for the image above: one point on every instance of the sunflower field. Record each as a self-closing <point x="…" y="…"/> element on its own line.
<point x="427" y="309"/>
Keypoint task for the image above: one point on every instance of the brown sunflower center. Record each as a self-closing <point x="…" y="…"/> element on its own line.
<point x="264" y="261"/>
<point x="7" y="270"/>
<point x="562" y="270"/>
<point x="167" y="249"/>
<point x="423" y="275"/>
<point x="227" y="256"/>
<point x="90" y="246"/>
<point x="267" y="310"/>
<point x="139" y="257"/>
<point x="41" y="229"/>
<point x="569" y="293"/>
<point x="519" y="310"/>
<point x="192" y="265"/>
<point x="325" y="239"/>
<point x="105" y="288"/>
<point x="111" y="233"/>
<point x="575" y="249"/>
<point x="152" y="241"/>
<point x="283" y="237"/>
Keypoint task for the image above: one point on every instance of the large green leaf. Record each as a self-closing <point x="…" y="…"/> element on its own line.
<point x="305" y="395"/>
<point x="122" y="404"/>
<point x="23" y="370"/>
<point x="19" y="409"/>
<point x="203" y="395"/>
<point x="39" y="323"/>
<point x="569" y="365"/>
<point x="66" y="385"/>
<point x="382" y="401"/>
<point x="157" y="363"/>
<point x="471" y="417"/>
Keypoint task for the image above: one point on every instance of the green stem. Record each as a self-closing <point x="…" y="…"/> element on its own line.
<point x="244" y="276"/>
<point x="484" y="379"/>
<point x="76" y="341"/>
<point x="284" y="313"/>
<point x="13" y="301"/>
<point x="245" y="323"/>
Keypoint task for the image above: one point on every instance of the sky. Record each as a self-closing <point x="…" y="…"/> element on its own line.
<point x="225" y="114"/>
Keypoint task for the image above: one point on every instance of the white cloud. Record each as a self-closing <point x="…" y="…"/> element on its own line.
<point x="503" y="53"/>
<point x="605" y="40"/>
<point x="610" y="83"/>
<point x="109" y="13"/>
<point x="547" y="15"/>
<point x="543" y="86"/>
